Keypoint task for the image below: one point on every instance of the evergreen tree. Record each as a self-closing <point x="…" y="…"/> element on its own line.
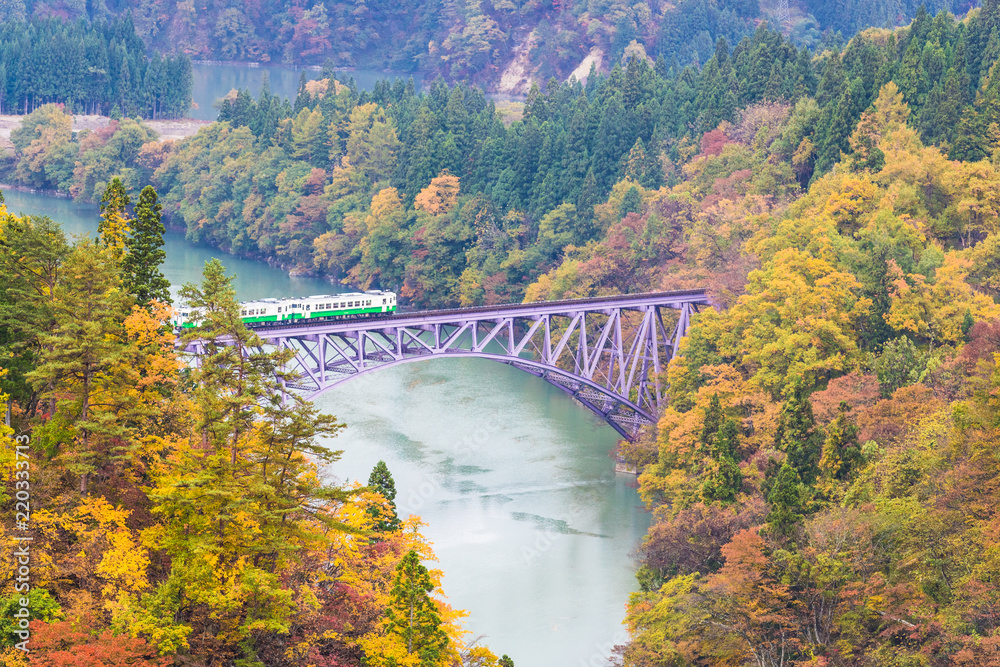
<point x="412" y="614"/>
<point x="841" y="451"/>
<point x="88" y="309"/>
<point x="114" y="225"/>
<point x="381" y="482"/>
<point x="711" y="422"/>
<point x="724" y="477"/>
<point x="785" y="500"/>
<point x="723" y="482"/>
<point x="631" y="202"/>
<point x="797" y="435"/>
<point x="141" y="266"/>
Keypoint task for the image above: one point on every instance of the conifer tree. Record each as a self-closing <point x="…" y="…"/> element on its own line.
<point x="797" y="435"/>
<point x="381" y="482"/>
<point x="724" y="477"/>
<point x="841" y="451"/>
<point x="141" y="266"/>
<point x="786" y="503"/>
<point x="114" y="225"/>
<point x="88" y="309"/>
<point x="412" y="614"/>
<point x="711" y="422"/>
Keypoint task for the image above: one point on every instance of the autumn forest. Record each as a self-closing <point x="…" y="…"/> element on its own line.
<point x="824" y="485"/>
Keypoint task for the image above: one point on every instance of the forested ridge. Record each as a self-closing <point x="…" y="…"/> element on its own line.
<point x="470" y="39"/>
<point x="172" y="513"/>
<point x="98" y="67"/>
<point x="824" y="481"/>
<point x="442" y="198"/>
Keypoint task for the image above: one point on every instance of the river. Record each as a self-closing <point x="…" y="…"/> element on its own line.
<point x="532" y="527"/>
<point x="212" y="81"/>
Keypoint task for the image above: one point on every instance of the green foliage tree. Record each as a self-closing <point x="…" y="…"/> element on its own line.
<point x="114" y="225"/>
<point x="797" y="435"/>
<point x="412" y="614"/>
<point x="380" y="481"/>
<point x="144" y="244"/>
<point x="77" y="354"/>
<point x="841" y="449"/>
<point x="785" y="500"/>
<point x="900" y="364"/>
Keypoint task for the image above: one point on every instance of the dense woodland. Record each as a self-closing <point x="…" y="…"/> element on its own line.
<point x="98" y="67"/>
<point x="443" y="199"/>
<point x="179" y="513"/>
<point x="469" y="39"/>
<point x="824" y="483"/>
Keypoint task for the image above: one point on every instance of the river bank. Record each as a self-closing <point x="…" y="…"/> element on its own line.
<point x="168" y="130"/>
<point x="511" y="476"/>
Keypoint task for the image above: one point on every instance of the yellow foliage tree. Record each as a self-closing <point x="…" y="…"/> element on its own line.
<point x="440" y="196"/>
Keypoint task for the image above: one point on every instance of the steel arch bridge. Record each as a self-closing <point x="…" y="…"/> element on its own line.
<point x="606" y="352"/>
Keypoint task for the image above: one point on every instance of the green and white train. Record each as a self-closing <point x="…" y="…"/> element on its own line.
<point x="297" y="310"/>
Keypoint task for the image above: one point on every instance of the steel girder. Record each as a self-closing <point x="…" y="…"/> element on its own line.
<point x="609" y="353"/>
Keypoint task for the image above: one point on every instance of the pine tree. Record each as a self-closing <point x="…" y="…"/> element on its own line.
<point x="114" y="225"/>
<point x="88" y="308"/>
<point x="381" y="482"/>
<point x="141" y="266"/>
<point x="412" y="614"/>
<point x="724" y="477"/>
<point x="797" y="435"/>
<point x="841" y="451"/>
<point x="786" y="503"/>
<point x="711" y="422"/>
<point x="234" y="373"/>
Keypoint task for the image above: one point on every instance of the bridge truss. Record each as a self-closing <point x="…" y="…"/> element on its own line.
<point x="607" y="352"/>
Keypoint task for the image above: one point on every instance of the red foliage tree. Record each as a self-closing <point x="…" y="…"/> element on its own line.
<point x="78" y="644"/>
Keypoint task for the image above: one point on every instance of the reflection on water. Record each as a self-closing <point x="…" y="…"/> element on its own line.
<point x="532" y="526"/>
<point x="213" y="81"/>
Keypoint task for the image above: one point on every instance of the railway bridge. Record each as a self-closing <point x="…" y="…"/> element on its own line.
<point x="606" y="352"/>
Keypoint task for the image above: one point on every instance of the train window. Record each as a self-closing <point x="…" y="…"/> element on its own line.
<point x="307" y="306"/>
<point x="244" y="313"/>
<point x="383" y="300"/>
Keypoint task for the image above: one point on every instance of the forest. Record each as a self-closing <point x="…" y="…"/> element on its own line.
<point x="96" y="68"/>
<point x="824" y="483"/>
<point x="179" y="513"/>
<point x="470" y="40"/>
<point x="442" y="198"/>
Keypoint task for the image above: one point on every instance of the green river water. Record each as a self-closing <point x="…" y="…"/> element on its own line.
<point x="532" y="526"/>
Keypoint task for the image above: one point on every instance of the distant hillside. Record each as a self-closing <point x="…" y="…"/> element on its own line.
<point x="485" y="41"/>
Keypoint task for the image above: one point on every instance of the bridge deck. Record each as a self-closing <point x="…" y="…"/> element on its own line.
<point x="533" y="309"/>
<point x="607" y="352"/>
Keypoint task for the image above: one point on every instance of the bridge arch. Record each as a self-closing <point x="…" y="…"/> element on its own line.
<point x="606" y="352"/>
<point x="621" y="414"/>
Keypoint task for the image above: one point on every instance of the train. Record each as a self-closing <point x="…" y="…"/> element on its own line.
<point x="298" y="310"/>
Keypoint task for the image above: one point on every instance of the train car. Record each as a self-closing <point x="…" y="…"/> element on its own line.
<point x="340" y="306"/>
<point x="295" y="310"/>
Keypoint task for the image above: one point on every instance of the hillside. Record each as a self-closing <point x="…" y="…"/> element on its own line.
<point x="472" y="40"/>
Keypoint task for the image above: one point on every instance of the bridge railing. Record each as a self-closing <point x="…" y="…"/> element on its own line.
<point x="609" y="353"/>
